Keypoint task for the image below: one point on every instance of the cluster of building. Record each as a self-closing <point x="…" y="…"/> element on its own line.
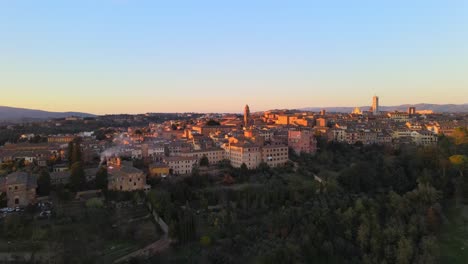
<point x="378" y="127"/>
<point x="177" y="146"/>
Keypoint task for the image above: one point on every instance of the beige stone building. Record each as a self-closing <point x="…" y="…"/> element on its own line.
<point x="60" y="139"/>
<point x="337" y="134"/>
<point x="20" y="188"/>
<point x="424" y="138"/>
<point x="252" y="154"/>
<point x="207" y="130"/>
<point x="399" y="116"/>
<point x="286" y="119"/>
<point x="214" y="155"/>
<point x="243" y="152"/>
<point x="180" y="165"/>
<point x="275" y="156"/>
<point x="125" y="177"/>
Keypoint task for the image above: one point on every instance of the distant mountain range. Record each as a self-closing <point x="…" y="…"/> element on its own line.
<point x="437" y="108"/>
<point x="15" y="114"/>
<point x="22" y="114"/>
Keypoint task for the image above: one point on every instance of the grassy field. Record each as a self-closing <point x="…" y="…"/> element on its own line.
<point x="454" y="236"/>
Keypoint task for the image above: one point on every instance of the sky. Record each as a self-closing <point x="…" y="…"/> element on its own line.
<point x="135" y="56"/>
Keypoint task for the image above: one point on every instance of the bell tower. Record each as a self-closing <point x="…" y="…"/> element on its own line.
<point x="246" y="116"/>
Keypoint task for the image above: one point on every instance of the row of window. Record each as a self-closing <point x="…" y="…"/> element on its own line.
<point x="134" y="184"/>
<point x="16" y="188"/>
<point x="183" y="161"/>
<point x="123" y="179"/>
<point x="277" y="154"/>
<point x="181" y="166"/>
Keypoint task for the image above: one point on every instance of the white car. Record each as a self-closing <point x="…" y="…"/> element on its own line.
<point x="8" y="210"/>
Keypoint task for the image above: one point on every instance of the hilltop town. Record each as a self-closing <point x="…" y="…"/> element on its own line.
<point x="176" y="146"/>
<point x="57" y="175"/>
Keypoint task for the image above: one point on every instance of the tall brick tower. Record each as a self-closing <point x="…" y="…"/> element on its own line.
<point x="246" y="116"/>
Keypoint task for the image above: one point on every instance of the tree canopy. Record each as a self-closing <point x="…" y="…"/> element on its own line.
<point x="77" y="177"/>
<point x="43" y="183"/>
<point x="212" y="122"/>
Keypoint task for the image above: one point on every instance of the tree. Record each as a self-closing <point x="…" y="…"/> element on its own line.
<point x="3" y="200"/>
<point x="36" y="139"/>
<point x="264" y="167"/>
<point x="70" y="154"/>
<point x="244" y="168"/>
<point x="212" y="122"/>
<point x="460" y="135"/>
<point x="404" y="251"/>
<point x="460" y="162"/>
<point x="76" y="154"/>
<point x="363" y="235"/>
<point x="101" y="178"/>
<point x="184" y="228"/>
<point x="100" y="134"/>
<point x="224" y="164"/>
<point x="244" y="172"/>
<point x="205" y="241"/>
<point x="77" y="178"/>
<point x="204" y="162"/>
<point x="43" y="183"/>
<point x="195" y="171"/>
<point x="74" y="151"/>
<point x="94" y="203"/>
<point x="19" y="164"/>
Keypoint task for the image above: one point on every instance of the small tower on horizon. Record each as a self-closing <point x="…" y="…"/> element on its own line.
<point x="375" y="105"/>
<point x="246" y="116"/>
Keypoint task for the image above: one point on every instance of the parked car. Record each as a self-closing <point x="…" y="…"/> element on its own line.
<point x="7" y="210"/>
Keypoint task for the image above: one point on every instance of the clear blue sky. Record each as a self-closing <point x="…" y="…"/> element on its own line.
<point x="146" y="56"/>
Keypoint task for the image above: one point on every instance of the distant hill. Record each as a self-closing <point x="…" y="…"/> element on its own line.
<point x="17" y="114"/>
<point x="437" y="108"/>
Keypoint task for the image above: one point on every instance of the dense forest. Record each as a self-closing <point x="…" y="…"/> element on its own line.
<point x="347" y="204"/>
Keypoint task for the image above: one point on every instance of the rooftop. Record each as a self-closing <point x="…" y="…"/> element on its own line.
<point x="21" y="177"/>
